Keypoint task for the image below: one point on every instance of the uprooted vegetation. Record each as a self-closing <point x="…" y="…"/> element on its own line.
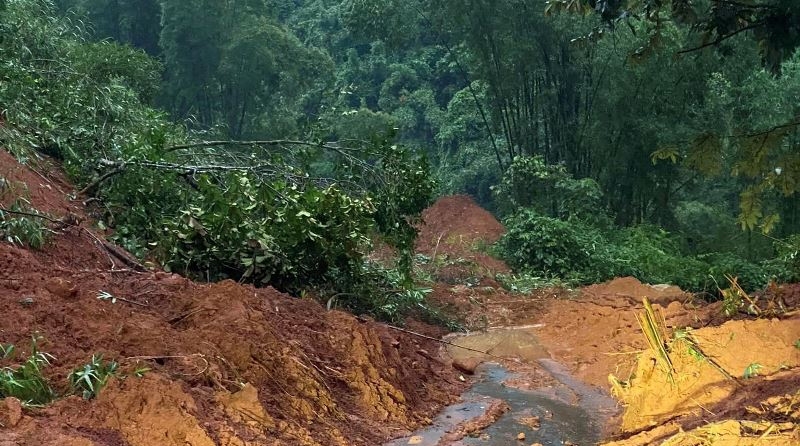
<point x="298" y="215"/>
<point x="736" y="382"/>
<point x="301" y="205"/>
<point x="190" y="362"/>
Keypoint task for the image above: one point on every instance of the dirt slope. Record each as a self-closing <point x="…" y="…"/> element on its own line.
<point x="229" y="364"/>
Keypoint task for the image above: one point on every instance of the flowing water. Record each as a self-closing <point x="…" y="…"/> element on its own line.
<point x="569" y="413"/>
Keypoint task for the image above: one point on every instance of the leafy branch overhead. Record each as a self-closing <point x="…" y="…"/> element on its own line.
<point x="773" y="24"/>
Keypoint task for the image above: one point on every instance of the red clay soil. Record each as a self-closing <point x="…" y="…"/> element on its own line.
<point x="455" y="233"/>
<point x="228" y="364"/>
<point x="44" y="186"/>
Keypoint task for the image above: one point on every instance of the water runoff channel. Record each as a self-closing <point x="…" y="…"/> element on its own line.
<point x="569" y="413"/>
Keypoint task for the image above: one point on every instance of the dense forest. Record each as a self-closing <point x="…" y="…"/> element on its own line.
<point x="273" y="141"/>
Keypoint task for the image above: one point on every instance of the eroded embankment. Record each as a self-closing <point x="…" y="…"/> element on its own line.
<point x="224" y="364"/>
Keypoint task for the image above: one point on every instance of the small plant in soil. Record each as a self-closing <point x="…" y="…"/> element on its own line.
<point x="527" y="283"/>
<point x="752" y="370"/>
<point x="734" y="299"/>
<point x="92" y="377"/>
<point x="141" y="371"/>
<point x="686" y="337"/>
<point x="797" y="344"/>
<point x="22" y="230"/>
<point x="106" y="296"/>
<point x="25" y="381"/>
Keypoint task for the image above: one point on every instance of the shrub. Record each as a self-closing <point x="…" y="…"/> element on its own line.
<point x="785" y="267"/>
<point x="581" y="253"/>
<point x="655" y="257"/>
<point x="550" y="190"/>
<point x="537" y="243"/>
<point x="268" y="233"/>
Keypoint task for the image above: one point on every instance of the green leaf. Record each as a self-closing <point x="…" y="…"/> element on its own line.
<point x="752" y="370"/>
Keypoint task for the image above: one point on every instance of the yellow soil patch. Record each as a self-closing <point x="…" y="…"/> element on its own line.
<point x="698" y="388"/>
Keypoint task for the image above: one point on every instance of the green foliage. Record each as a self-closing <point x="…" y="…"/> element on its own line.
<point x="404" y="192"/>
<point x="303" y="218"/>
<point x="752" y="370"/>
<point x="751" y="276"/>
<point x="582" y="253"/>
<point x="74" y="100"/>
<point x="231" y="65"/>
<point x="774" y="22"/>
<point x="539" y="244"/>
<point x="90" y="378"/>
<point x="653" y="256"/>
<point x="386" y="294"/>
<point x="268" y="233"/>
<point x="109" y="63"/>
<point x="549" y="189"/>
<point x="573" y="132"/>
<point x="25" y="381"/>
<point x="21" y="229"/>
<point x="786" y="264"/>
<point x="706" y="228"/>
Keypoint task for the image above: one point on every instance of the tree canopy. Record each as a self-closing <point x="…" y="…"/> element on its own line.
<point x="614" y="117"/>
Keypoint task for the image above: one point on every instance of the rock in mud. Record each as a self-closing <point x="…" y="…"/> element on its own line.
<point x="10" y="412"/>
<point x="61" y="287"/>
<point x="466" y="365"/>
<point x="532" y="422"/>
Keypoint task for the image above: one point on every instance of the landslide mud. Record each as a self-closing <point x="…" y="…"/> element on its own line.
<point x="233" y="365"/>
<point x="226" y="364"/>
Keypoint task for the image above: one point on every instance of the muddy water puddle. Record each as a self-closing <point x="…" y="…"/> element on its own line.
<point x="565" y="412"/>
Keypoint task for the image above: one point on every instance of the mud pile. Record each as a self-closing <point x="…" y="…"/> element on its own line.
<point x="224" y="364"/>
<point x="456" y="234"/>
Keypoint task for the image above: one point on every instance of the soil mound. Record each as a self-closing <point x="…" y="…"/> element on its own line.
<point x="225" y="363"/>
<point x="44" y="187"/>
<point x="631" y="288"/>
<point x="457" y="221"/>
<point x="455" y="234"/>
<point x="597" y="333"/>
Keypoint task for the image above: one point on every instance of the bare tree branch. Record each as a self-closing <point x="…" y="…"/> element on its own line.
<point x="720" y="39"/>
<point x="93" y="185"/>
<point x="31" y="214"/>
<point x="276" y="142"/>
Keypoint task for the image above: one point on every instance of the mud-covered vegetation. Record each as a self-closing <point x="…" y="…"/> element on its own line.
<point x="298" y="212"/>
<point x="190" y="189"/>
